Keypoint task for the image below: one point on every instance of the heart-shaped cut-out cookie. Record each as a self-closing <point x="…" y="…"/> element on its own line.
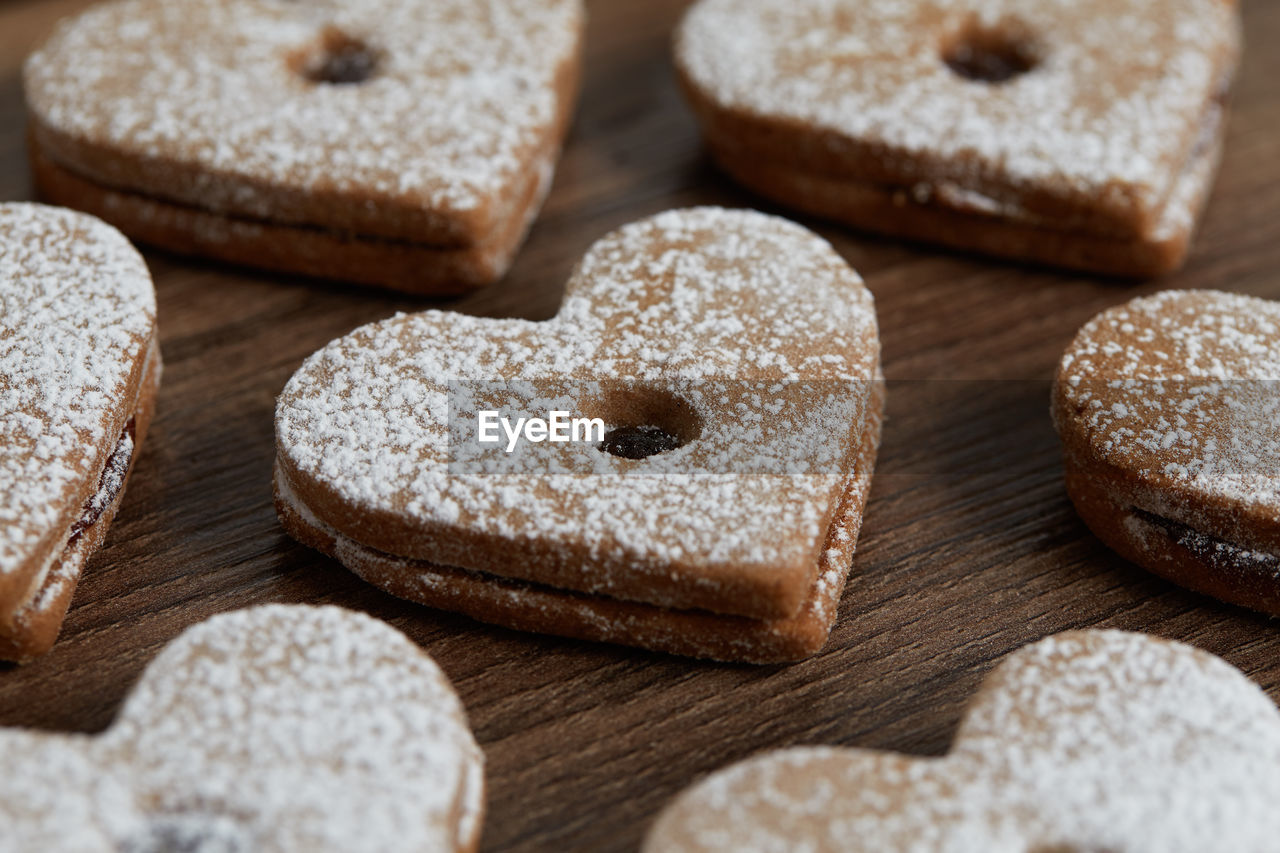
<point x="745" y="337"/>
<point x="1086" y="741"/>
<point x="401" y="144"/>
<point x="79" y="368"/>
<point x="1014" y="127"/>
<point x="1169" y="413"/>
<point x="279" y="728"/>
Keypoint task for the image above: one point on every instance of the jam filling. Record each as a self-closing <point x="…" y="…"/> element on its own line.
<point x="1210" y="548"/>
<point x="189" y="833"/>
<point x="991" y="55"/>
<point x="638" y="442"/>
<point x="341" y="60"/>
<point x="109" y="485"/>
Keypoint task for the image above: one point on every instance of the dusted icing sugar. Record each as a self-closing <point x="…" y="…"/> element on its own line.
<point x="77" y="316"/>
<point x="212" y="104"/>
<point x="1096" y="740"/>
<point x="680" y="299"/>
<point x="1183" y="389"/>
<point x="274" y="729"/>
<point x="1105" y="117"/>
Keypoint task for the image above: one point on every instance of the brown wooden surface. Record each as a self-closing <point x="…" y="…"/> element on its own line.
<point x="970" y="547"/>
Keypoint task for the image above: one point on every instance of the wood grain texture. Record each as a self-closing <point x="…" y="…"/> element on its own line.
<point x="970" y="548"/>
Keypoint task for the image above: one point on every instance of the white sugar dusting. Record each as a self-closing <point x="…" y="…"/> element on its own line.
<point x="1109" y="112"/>
<point x="1096" y="740"/>
<point x="273" y="729"/>
<point x="697" y="633"/>
<point x="460" y="102"/>
<point x="1183" y="389"/>
<point x="686" y="295"/>
<point x="77" y="313"/>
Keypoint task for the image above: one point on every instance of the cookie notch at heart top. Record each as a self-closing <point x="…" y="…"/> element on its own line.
<point x="407" y="145"/>
<point x="1168" y="408"/>
<point x="671" y="303"/>
<point x="275" y="729"/>
<point x="1090" y="740"/>
<point x="1030" y="130"/>
<point x="79" y="370"/>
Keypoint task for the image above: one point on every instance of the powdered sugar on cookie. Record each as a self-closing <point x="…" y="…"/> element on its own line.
<point x="1104" y="118"/>
<point x="77" y="314"/>
<point x="531" y="606"/>
<point x="209" y="103"/>
<point x="1184" y="389"/>
<point x="681" y="298"/>
<point x="1096" y="740"/>
<point x="272" y="729"/>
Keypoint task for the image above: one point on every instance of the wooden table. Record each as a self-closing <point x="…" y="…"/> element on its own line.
<point x="970" y="549"/>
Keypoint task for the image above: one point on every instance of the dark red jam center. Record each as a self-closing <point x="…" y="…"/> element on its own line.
<point x="110" y="483"/>
<point x="638" y="442"/>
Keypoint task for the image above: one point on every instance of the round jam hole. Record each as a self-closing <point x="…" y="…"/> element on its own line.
<point x="990" y="55"/>
<point x="638" y="442"/>
<point x="340" y="60"/>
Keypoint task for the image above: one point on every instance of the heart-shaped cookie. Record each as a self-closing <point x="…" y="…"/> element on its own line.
<point x="280" y="728"/>
<point x="742" y="339"/>
<point x="401" y="144"/>
<point x="1169" y="413"/>
<point x="79" y="368"/>
<point x="1085" y="741"/>
<point x="1019" y="128"/>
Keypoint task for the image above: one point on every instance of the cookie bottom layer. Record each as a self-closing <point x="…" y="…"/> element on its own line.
<point x="1174" y="550"/>
<point x="394" y="264"/>
<point x="896" y="212"/>
<point x="34" y="626"/>
<point x="546" y="610"/>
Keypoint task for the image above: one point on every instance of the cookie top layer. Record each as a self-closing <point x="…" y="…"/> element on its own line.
<point x="1181" y="392"/>
<point x="1103" y="119"/>
<point x="752" y="323"/>
<point x="77" y="319"/>
<point x="223" y="105"/>
<point x="1092" y="740"/>
<point x="278" y="728"/>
